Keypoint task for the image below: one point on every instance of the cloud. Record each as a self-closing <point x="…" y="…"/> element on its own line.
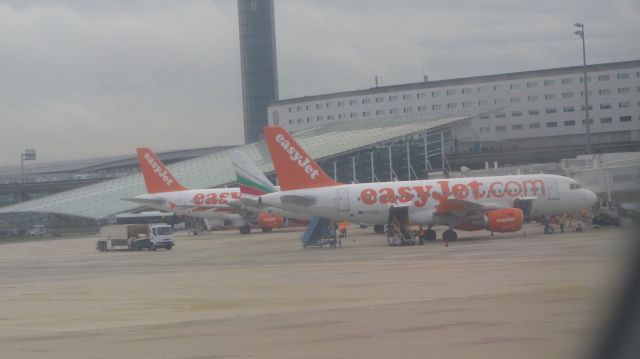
<point x="95" y="78"/>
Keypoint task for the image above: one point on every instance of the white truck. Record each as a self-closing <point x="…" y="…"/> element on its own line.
<point x="135" y="237"/>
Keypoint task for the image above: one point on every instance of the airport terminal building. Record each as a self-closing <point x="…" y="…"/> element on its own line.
<point x="530" y="110"/>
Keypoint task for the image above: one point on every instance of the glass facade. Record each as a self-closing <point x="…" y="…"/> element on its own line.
<point x="258" y="64"/>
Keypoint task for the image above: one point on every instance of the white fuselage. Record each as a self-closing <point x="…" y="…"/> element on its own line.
<point x="370" y="202"/>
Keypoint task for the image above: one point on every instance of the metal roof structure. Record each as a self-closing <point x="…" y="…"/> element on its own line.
<point x="104" y="199"/>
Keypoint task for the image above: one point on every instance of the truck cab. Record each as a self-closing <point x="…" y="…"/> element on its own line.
<point x="161" y="236"/>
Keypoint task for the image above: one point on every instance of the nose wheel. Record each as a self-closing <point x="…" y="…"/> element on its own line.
<point x="449" y="235"/>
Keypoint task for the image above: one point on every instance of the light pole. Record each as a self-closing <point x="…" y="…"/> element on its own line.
<point x="584" y="79"/>
<point x="28" y="155"/>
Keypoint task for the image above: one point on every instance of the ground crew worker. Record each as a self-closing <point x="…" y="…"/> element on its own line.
<point x="343" y="230"/>
<point x="561" y="222"/>
<point x="421" y="234"/>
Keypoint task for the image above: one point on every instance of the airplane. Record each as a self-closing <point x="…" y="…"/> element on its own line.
<point x="498" y="204"/>
<point x="212" y="204"/>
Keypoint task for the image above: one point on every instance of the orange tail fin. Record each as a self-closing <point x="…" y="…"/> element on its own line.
<point x="157" y="177"/>
<point x="294" y="168"/>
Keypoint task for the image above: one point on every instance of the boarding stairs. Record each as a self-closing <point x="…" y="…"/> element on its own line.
<point x="398" y="232"/>
<point x="320" y="232"/>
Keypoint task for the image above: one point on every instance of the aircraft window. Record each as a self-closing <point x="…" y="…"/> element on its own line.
<point x="574" y="186"/>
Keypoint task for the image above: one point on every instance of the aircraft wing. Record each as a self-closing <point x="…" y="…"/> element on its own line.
<point x="298" y="200"/>
<point x="460" y="206"/>
<point x="147" y="201"/>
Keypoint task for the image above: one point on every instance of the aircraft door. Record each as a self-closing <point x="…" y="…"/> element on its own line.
<point x="343" y="200"/>
<point x="552" y="189"/>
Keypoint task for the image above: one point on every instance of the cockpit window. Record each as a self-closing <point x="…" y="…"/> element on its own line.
<point x="575" y="186"/>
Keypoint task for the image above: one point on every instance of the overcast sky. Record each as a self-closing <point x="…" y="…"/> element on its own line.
<point x="94" y="78"/>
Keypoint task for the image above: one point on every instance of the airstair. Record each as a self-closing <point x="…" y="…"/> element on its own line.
<point x="319" y="233"/>
<point x="398" y="232"/>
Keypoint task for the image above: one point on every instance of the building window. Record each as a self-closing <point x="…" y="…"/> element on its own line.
<point x="329" y="104"/>
<point x="606" y="120"/>
<point x="514" y="86"/>
<point x="584" y="122"/>
<point x="407" y="110"/>
<point x="624" y="104"/>
<point x="421" y="95"/>
<point x="308" y="119"/>
<point x="623" y="90"/>
<point x="341" y="116"/>
<point x="582" y="93"/>
<point x="436" y="107"/>
<point x="451" y="105"/>
<point x="290" y="109"/>
<point x="532" y="98"/>
<point x="379" y="112"/>
<point x="299" y="120"/>
<point x="517" y="127"/>
<point x="366" y="113"/>
<point x="623" y="75"/>
<point x="549" y="82"/>
<point x="483" y="89"/>
<point x="604" y="92"/>
<point x="308" y="107"/>
<point x="451" y="92"/>
<point x="588" y="79"/>
<point x="568" y="109"/>
<point x="407" y="97"/>
<point x="501" y="115"/>
<point x="498" y="87"/>
<point x="534" y="125"/>
<point x="501" y="128"/>
<point x="291" y="122"/>
<point x="603" y="78"/>
<point x="379" y="99"/>
<point x="435" y="93"/>
<point x="330" y="117"/>
<point x="500" y="101"/>
<point x="550" y="96"/>
<point x="625" y="118"/>
<point x="605" y="106"/>
<point x="353" y="102"/>
<point x="532" y="84"/>
<point x="569" y="123"/>
<point x="567" y="81"/>
<point x="467" y="104"/>
<point x="516" y="113"/>
<point x="567" y="95"/>
<point x="515" y="99"/>
<point x="484" y="117"/>
<point x="393" y="111"/>
<point x="366" y="100"/>
<point x="299" y="108"/>
<point x="552" y="124"/>
<point x="393" y="98"/>
<point x="485" y="129"/>
<point x="483" y="102"/>
<point x="353" y="115"/>
<point x="466" y="91"/>
<point x="340" y="103"/>
<point x="422" y="108"/>
<point x="318" y="106"/>
<point x="319" y="118"/>
<point x="550" y="110"/>
<point x="590" y="107"/>
<point x="534" y="112"/>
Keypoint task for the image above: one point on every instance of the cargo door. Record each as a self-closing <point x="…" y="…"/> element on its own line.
<point x="343" y="200"/>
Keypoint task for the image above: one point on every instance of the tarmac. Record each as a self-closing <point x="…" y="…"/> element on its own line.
<point x="226" y="295"/>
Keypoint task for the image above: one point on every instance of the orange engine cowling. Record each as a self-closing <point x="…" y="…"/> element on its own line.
<point x="266" y="220"/>
<point x="505" y="220"/>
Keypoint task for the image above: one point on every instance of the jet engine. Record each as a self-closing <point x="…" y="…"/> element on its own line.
<point x="504" y="220"/>
<point x="268" y="221"/>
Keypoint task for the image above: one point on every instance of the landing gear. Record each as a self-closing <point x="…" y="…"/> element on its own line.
<point x="246" y="229"/>
<point x="378" y="228"/>
<point x="429" y="235"/>
<point x="449" y="235"/>
<point x="266" y="229"/>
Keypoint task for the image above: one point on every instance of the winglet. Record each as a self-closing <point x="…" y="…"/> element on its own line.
<point x="251" y="180"/>
<point x="294" y="168"/>
<point x="157" y="177"/>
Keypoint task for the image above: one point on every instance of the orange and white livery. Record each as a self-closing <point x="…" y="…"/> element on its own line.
<point x="497" y="204"/>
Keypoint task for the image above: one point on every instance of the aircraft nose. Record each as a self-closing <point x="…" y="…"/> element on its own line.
<point x="591" y="197"/>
